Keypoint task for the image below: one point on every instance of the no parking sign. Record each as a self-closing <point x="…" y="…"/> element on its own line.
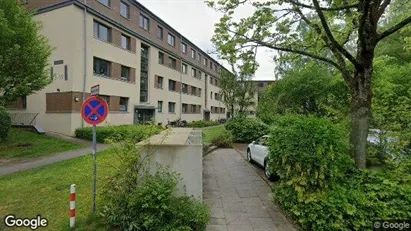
<point x="94" y="110"/>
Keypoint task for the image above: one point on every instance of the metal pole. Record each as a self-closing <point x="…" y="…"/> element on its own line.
<point x="94" y="168"/>
<point x="72" y="205"/>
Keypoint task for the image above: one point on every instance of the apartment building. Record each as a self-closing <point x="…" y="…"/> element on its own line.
<point x="146" y="69"/>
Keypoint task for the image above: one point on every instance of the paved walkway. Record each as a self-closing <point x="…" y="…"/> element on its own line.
<point x="238" y="197"/>
<point x="17" y="167"/>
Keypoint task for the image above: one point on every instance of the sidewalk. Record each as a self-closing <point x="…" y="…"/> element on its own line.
<point x="238" y="197"/>
<point x="17" y="167"/>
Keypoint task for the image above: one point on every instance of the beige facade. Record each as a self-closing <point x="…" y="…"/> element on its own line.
<point x="79" y="48"/>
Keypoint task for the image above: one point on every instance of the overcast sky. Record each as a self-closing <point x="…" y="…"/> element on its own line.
<point x="194" y="20"/>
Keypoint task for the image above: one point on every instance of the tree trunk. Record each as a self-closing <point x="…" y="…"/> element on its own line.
<point x="361" y="94"/>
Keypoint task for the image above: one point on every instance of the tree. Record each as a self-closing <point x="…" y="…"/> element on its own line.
<point x="237" y="90"/>
<point x="308" y="90"/>
<point x="24" y="53"/>
<point x="341" y="33"/>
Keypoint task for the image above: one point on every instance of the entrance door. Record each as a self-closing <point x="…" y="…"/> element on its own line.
<point x="207" y="115"/>
<point x="143" y="116"/>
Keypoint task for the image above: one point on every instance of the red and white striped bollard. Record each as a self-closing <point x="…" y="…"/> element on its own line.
<point x="72" y="205"/>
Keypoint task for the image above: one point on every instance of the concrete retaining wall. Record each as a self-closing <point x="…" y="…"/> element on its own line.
<point x="181" y="150"/>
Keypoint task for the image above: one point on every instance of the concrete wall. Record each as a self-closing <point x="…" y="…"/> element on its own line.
<point x="181" y="150"/>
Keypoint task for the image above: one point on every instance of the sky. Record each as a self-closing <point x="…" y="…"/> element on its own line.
<point x="195" y="21"/>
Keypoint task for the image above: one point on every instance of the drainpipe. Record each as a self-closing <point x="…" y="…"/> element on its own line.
<point x="85" y="55"/>
<point x="181" y="79"/>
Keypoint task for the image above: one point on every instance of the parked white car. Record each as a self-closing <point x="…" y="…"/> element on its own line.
<point x="257" y="152"/>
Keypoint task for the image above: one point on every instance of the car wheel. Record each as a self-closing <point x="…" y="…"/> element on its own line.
<point x="267" y="171"/>
<point x="249" y="158"/>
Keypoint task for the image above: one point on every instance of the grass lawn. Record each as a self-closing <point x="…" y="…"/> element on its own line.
<point x="45" y="191"/>
<point x="210" y="133"/>
<point x="39" y="145"/>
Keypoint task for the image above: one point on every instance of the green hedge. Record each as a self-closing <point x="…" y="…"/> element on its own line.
<point x="118" y="133"/>
<point x="5" y="124"/>
<point x="202" y="124"/>
<point x="223" y="140"/>
<point x="320" y="188"/>
<point x="246" y="130"/>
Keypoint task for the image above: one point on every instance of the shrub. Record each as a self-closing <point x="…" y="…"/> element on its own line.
<point x="245" y="130"/>
<point x="354" y="204"/>
<point x="134" y="199"/>
<point x="5" y="124"/>
<point x="223" y="140"/>
<point x="202" y="124"/>
<point x="308" y="152"/>
<point x="118" y="133"/>
<point x="319" y="186"/>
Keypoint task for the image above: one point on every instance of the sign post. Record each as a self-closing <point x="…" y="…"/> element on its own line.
<point x="94" y="111"/>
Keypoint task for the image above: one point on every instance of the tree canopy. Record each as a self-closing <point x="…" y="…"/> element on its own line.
<point x="24" y="53"/>
<point x="341" y="33"/>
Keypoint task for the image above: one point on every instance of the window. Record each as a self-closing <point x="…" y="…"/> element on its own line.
<point x="215" y="67"/>
<point x="211" y="80"/>
<point x="215" y="96"/>
<point x="199" y="92"/>
<point x="102" y="32"/>
<point x="144" y="73"/>
<point x="101" y="67"/>
<point x="216" y="82"/>
<point x="105" y="2"/>
<point x="171" y="40"/>
<point x="199" y="57"/>
<point x="123" y="104"/>
<point x="193" y="90"/>
<point x="171" y="107"/>
<point x="144" y="22"/>
<point x="185" y="88"/>
<point x="211" y="65"/>
<point x="211" y="95"/>
<point x="24" y="102"/>
<point x="106" y="98"/>
<point x="193" y="54"/>
<point x="193" y="72"/>
<point x="124" y="10"/>
<point x="260" y="84"/>
<point x="183" y="48"/>
<point x="184" y="68"/>
<point x="160" y="106"/>
<point x="184" y="108"/>
<point x="172" y="85"/>
<point x="205" y="62"/>
<point x="199" y="74"/>
<point x="172" y="62"/>
<point x="160" y="32"/>
<point x="160" y="58"/>
<point x="193" y="108"/>
<point x="160" y="82"/>
<point x="125" y="42"/>
<point x="125" y="73"/>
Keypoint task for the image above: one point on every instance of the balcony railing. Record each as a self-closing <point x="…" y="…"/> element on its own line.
<point x="23" y="118"/>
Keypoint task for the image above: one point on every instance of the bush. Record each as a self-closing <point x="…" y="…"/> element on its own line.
<point x="246" y="130"/>
<point x="118" y="133"/>
<point x="308" y="152"/>
<point x="202" y="124"/>
<point x="223" y="140"/>
<point x="134" y="199"/>
<point x="319" y="186"/>
<point x="5" y="124"/>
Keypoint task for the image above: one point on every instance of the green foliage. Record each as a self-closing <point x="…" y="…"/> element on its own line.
<point x="246" y="130"/>
<point x="5" y="124"/>
<point x="320" y="188"/>
<point x="202" y="124"/>
<point x="308" y="153"/>
<point x="118" y="133"/>
<point x="134" y="199"/>
<point x="353" y="204"/>
<point x="311" y="89"/>
<point x="223" y="140"/>
<point x="24" y="53"/>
